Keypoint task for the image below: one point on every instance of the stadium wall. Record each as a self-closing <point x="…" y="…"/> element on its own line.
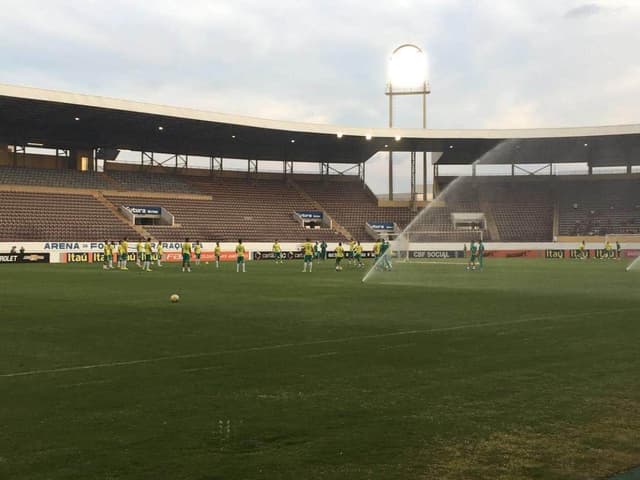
<point x="83" y="252"/>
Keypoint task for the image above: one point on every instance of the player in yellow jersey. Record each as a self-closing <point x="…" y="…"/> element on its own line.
<point x="108" y="256"/>
<point x="148" y="252"/>
<point x="119" y="250"/>
<point x="186" y="255"/>
<point x="240" y="251"/>
<point x="608" y="250"/>
<point x="376" y="251"/>
<point x="277" y="252"/>
<point x="307" y="248"/>
<point x="352" y="251"/>
<point x="339" y="255"/>
<point x="198" y="251"/>
<point x="159" y="253"/>
<point x="140" y="253"/>
<point x="114" y="255"/>
<point x="217" y="251"/>
<point x="358" y="253"/>
<point x="125" y="253"/>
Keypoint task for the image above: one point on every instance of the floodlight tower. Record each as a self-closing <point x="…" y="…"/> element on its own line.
<point x="408" y="76"/>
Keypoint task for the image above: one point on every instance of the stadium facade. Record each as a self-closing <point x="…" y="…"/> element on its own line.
<point x="63" y="188"/>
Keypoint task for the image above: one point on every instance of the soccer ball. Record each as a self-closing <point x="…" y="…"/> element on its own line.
<point x="175" y="298"/>
<point x="338" y="268"/>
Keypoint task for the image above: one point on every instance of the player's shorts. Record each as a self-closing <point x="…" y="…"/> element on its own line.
<point x="308" y="258"/>
<point x="277" y="255"/>
<point x="358" y="257"/>
<point x="186" y="258"/>
<point x="147" y="257"/>
<point x="338" y="259"/>
<point x="217" y="258"/>
<point x="240" y="260"/>
<point x="198" y="255"/>
<point x="123" y="257"/>
<point x="473" y="258"/>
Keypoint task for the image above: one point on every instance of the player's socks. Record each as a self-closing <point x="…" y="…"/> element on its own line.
<point x="244" y="269"/>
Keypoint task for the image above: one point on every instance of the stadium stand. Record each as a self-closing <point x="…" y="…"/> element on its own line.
<point x="599" y="207"/>
<point x="31" y="216"/>
<point x="41" y="204"/>
<point x="53" y="178"/>
<point x="522" y="211"/>
<point x="352" y="205"/>
<point x="149" y="182"/>
<point x="260" y="210"/>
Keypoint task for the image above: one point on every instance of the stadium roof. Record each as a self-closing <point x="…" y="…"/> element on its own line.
<point x="57" y="119"/>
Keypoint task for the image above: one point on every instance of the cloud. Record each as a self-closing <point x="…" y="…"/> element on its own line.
<point x="493" y="63"/>
<point x="582" y="11"/>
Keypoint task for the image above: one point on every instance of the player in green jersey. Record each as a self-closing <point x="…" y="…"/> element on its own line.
<point x="240" y="251"/>
<point x="473" y="249"/>
<point x="481" y="254"/>
<point x="186" y="255"/>
<point x="307" y="248"/>
<point x="385" y="253"/>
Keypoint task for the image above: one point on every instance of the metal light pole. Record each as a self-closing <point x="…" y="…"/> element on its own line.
<point x="419" y="88"/>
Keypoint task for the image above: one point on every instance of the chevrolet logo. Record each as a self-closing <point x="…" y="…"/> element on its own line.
<point x="33" y="257"/>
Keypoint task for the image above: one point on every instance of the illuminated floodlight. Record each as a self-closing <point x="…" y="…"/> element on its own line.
<point x="293" y="141"/>
<point x="77" y="119"/>
<point x="161" y="128"/>
<point x="408" y="68"/>
<point x="339" y="134"/>
<point x="368" y="136"/>
<point x="398" y="138"/>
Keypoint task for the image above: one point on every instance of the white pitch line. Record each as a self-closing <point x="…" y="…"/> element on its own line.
<point x="264" y="348"/>
<point x="319" y="355"/>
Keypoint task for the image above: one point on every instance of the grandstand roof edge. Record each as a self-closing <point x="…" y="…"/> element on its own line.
<point x="95" y="101"/>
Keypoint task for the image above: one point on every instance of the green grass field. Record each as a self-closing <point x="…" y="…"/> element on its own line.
<point x="526" y="370"/>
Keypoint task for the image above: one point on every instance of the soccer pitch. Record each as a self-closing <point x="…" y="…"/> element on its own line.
<point x="528" y="369"/>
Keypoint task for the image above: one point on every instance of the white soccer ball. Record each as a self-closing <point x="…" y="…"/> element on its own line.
<point x="175" y="298"/>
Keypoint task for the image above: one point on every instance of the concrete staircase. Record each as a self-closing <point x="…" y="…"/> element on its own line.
<point x="335" y="225"/>
<point x="101" y="198"/>
<point x="491" y="221"/>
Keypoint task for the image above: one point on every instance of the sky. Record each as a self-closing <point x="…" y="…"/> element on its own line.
<point x="492" y="63"/>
